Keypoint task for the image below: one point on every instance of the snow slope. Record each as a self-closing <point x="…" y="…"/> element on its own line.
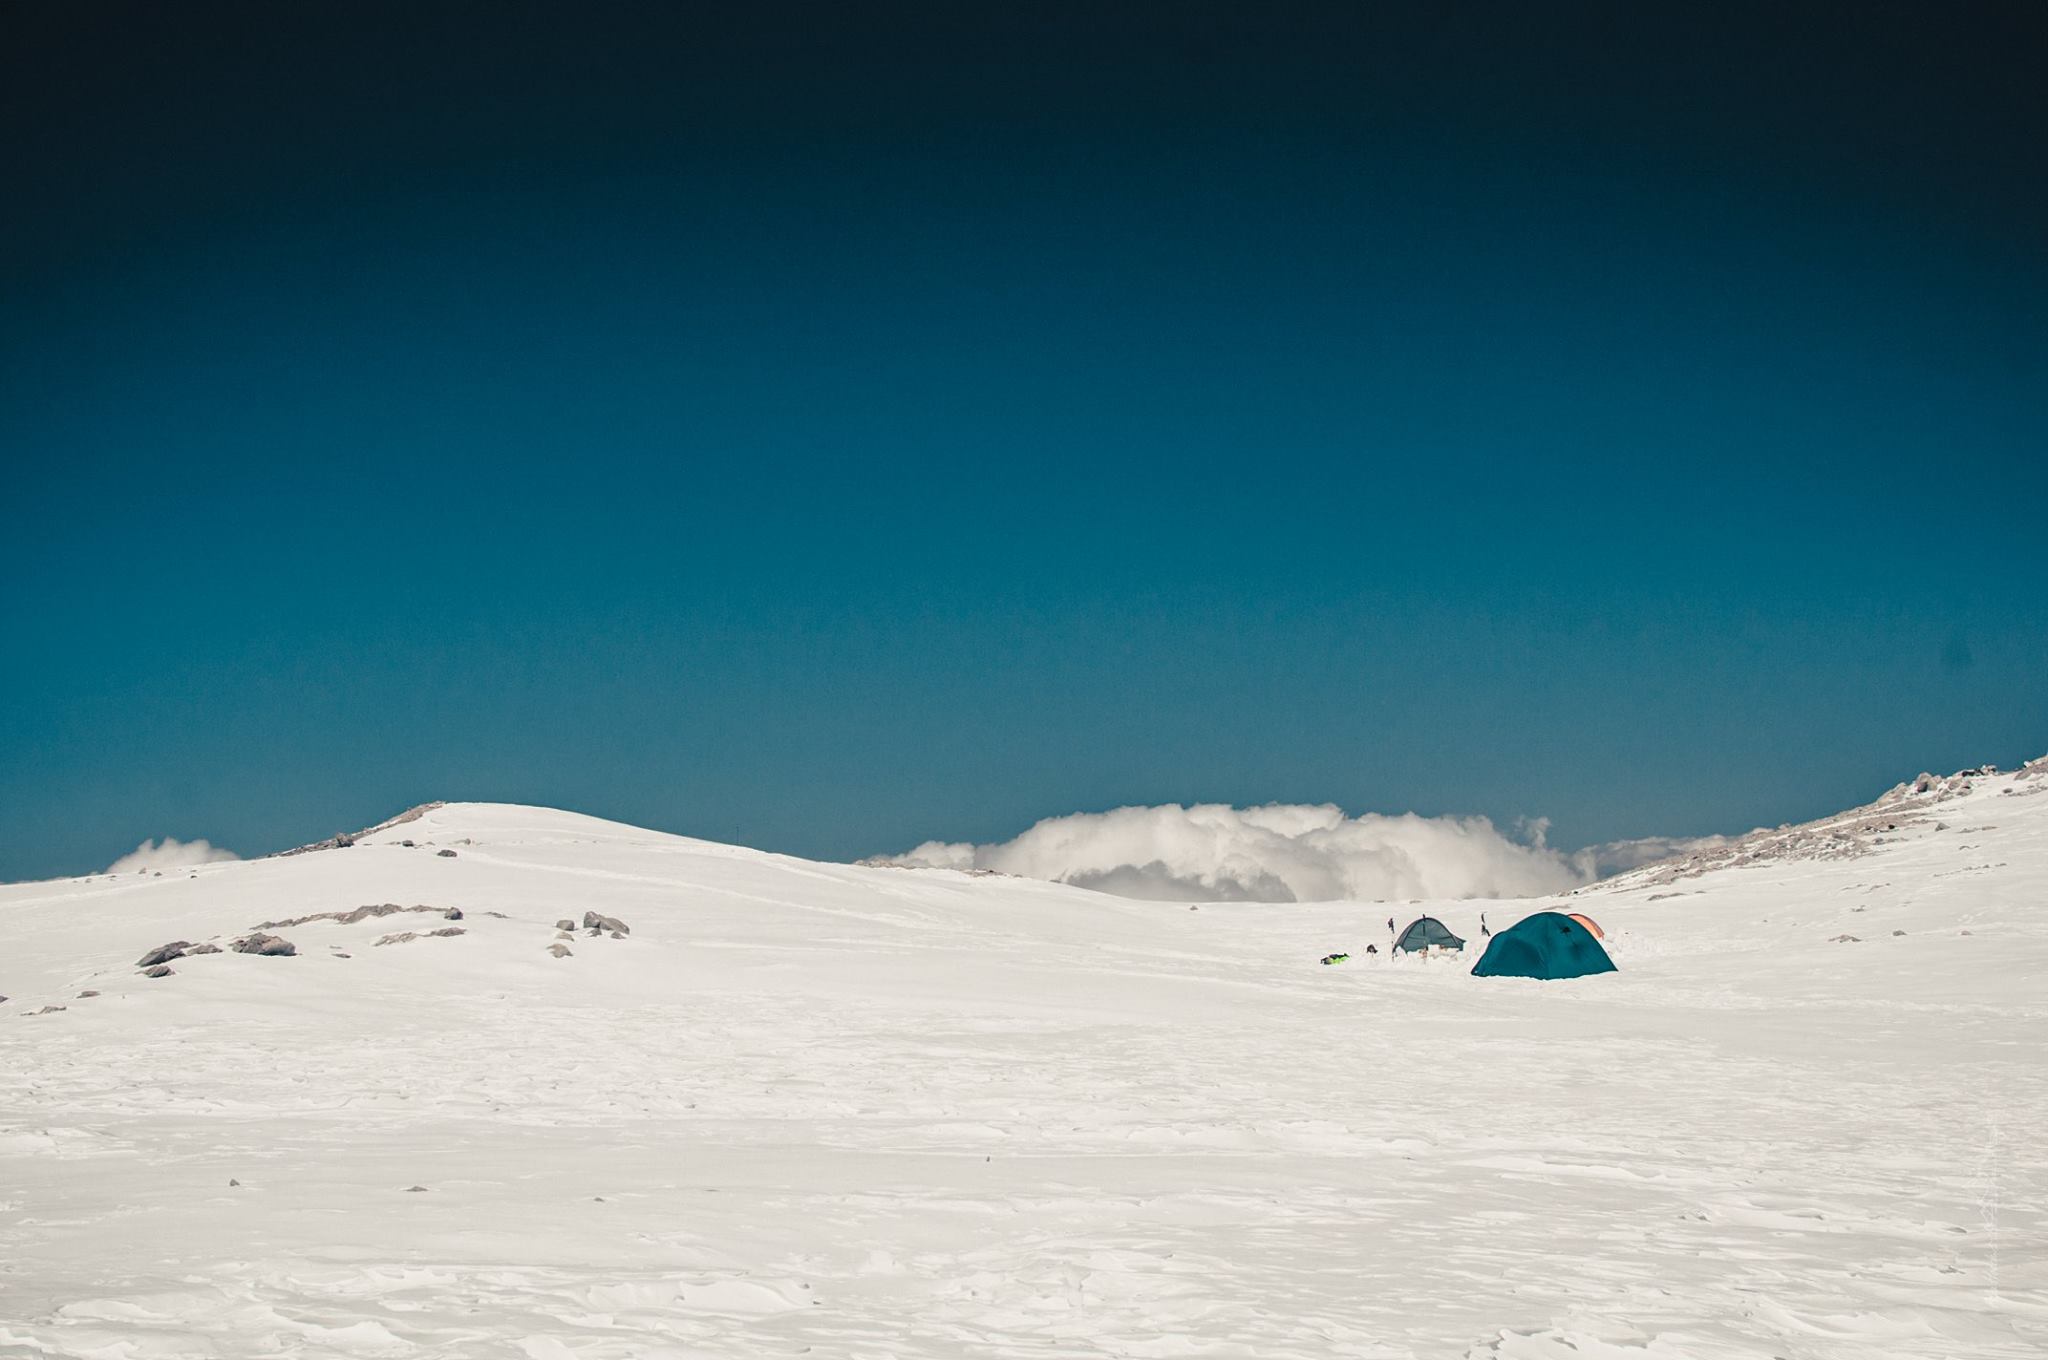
<point x="868" y="1112"/>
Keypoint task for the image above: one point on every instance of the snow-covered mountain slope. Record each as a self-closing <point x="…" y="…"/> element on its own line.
<point x="864" y="1112"/>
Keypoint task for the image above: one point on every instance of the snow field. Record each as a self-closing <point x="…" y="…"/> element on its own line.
<point x="863" y="1112"/>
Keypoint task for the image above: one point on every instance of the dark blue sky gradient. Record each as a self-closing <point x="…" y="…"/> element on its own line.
<point x="827" y="431"/>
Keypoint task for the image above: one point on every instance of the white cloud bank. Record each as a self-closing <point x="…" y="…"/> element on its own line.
<point x="1288" y="853"/>
<point x="1278" y="853"/>
<point x="171" y="853"/>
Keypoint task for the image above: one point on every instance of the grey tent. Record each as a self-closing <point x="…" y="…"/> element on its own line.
<point x="1426" y="932"/>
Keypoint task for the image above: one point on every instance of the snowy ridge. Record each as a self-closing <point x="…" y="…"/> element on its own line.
<point x="346" y="839"/>
<point x="1904" y="810"/>
<point x="810" y="1108"/>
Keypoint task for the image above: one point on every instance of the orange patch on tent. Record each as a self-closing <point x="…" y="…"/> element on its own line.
<point x="1590" y="924"/>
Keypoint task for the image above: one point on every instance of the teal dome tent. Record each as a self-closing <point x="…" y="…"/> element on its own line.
<point x="1548" y="945"/>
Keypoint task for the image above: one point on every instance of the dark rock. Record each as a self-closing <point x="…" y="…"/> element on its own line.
<point x="560" y="950"/>
<point x="592" y="920"/>
<point x="83" y="995"/>
<point x="1845" y="939"/>
<point x="232" y="1183"/>
<point x="204" y="949"/>
<point x="565" y="924"/>
<point x="415" y="1189"/>
<point x="49" y="1010"/>
<point x="452" y="914"/>
<point x="163" y="953"/>
<point x="407" y="844"/>
<point x="161" y="970"/>
<point x="449" y="930"/>
<point x="275" y="946"/>
<point x="1898" y="932"/>
<point x="445" y="854"/>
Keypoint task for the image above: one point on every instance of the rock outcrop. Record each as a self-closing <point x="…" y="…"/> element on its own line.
<point x="347" y="839"/>
<point x="402" y="936"/>
<point x="346" y="918"/>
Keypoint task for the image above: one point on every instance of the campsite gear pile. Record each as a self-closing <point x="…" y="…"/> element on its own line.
<point x="1548" y="946"/>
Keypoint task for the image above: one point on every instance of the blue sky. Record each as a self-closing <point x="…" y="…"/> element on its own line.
<point x="846" y="448"/>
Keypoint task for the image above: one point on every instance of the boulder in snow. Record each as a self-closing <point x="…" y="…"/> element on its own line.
<point x="275" y="946"/>
<point x="163" y="953"/>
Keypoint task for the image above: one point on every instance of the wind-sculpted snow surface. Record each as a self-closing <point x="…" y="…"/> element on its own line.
<point x="853" y="1112"/>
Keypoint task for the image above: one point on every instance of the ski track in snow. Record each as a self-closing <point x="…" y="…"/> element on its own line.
<point x="848" y="1112"/>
